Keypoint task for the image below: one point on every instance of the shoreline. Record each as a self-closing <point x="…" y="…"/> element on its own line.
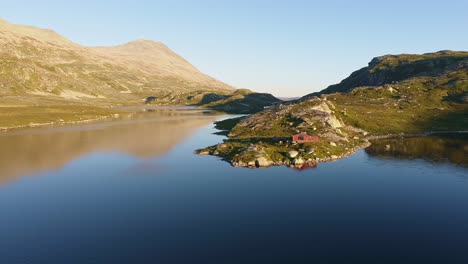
<point x="56" y="124"/>
<point x="315" y="162"/>
<point x="309" y="162"/>
<point x="117" y="114"/>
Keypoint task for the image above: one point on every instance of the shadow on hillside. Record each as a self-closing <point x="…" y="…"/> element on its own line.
<point x="245" y="104"/>
<point x="446" y="121"/>
<point x="457" y="98"/>
<point x="209" y="98"/>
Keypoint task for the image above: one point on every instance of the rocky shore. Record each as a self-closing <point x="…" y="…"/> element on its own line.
<point x="293" y="158"/>
<point x="284" y="152"/>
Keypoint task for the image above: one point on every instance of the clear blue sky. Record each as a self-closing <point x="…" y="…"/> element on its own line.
<point x="288" y="48"/>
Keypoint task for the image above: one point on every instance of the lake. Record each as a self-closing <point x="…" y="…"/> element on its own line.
<point x="132" y="191"/>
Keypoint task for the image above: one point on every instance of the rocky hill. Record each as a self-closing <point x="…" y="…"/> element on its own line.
<point x="391" y="69"/>
<point x="395" y="95"/>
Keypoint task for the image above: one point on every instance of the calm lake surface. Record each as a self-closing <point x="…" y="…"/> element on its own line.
<point x="132" y="191"/>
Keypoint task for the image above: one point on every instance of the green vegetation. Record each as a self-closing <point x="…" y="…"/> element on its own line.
<point x="413" y="106"/>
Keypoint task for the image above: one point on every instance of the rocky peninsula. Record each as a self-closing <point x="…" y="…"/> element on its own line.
<point x="396" y="95"/>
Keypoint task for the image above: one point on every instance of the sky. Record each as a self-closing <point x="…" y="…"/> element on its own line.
<point x="287" y="48"/>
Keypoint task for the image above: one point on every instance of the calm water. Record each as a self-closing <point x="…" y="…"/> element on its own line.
<point x="133" y="192"/>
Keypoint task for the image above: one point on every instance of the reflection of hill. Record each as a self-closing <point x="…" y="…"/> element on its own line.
<point x="29" y="151"/>
<point x="453" y="149"/>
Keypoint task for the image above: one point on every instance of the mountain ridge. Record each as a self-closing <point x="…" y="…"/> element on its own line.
<point x="43" y="64"/>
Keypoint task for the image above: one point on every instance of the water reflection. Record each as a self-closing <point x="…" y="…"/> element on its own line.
<point x="453" y="148"/>
<point x="147" y="134"/>
<point x="183" y="208"/>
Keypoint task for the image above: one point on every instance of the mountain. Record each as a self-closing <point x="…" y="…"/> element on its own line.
<point x="155" y="58"/>
<point x="395" y="95"/>
<point x="39" y="66"/>
<point x="390" y="69"/>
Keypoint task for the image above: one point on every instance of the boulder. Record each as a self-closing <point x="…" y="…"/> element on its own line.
<point x="333" y="144"/>
<point x="292" y="154"/>
<point x="298" y="161"/>
<point x="263" y="162"/>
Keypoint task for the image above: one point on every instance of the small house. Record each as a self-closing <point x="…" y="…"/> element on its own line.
<point x="303" y="138"/>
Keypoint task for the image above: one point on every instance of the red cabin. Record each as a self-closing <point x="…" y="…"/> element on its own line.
<point x="303" y="138"/>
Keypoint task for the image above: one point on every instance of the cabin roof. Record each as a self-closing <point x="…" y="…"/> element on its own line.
<point x="304" y="134"/>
